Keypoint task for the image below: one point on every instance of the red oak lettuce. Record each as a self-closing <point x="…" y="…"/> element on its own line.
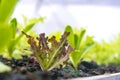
<point x="50" y="53"/>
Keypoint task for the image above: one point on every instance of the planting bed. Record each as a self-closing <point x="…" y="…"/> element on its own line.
<point x="26" y="69"/>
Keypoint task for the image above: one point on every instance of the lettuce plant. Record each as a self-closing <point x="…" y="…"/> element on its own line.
<point x="6" y="30"/>
<point x="80" y="48"/>
<point x="50" y="53"/>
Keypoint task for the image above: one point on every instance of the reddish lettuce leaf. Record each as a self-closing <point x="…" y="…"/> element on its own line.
<point x="50" y="53"/>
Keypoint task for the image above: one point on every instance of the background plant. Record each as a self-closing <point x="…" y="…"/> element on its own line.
<point x="80" y="47"/>
<point x="106" y="52"/>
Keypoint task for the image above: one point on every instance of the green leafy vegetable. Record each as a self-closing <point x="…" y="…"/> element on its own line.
<point x="50" y="53"/>
<point x="6" y="32"/>
<point x="75" y="39"/>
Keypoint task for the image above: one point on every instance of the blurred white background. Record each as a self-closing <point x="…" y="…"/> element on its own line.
<point x="101" y="18"/>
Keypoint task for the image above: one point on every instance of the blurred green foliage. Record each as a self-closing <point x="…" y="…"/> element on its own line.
<point x="106" y="52"/>
<point x="6" y="30"/>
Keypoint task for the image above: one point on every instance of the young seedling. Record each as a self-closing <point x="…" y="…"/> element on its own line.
<point x="75" y="39"/>
<point x="50" y="53"/>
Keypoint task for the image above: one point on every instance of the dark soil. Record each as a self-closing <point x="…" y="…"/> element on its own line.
<point x="27" y="69"/>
